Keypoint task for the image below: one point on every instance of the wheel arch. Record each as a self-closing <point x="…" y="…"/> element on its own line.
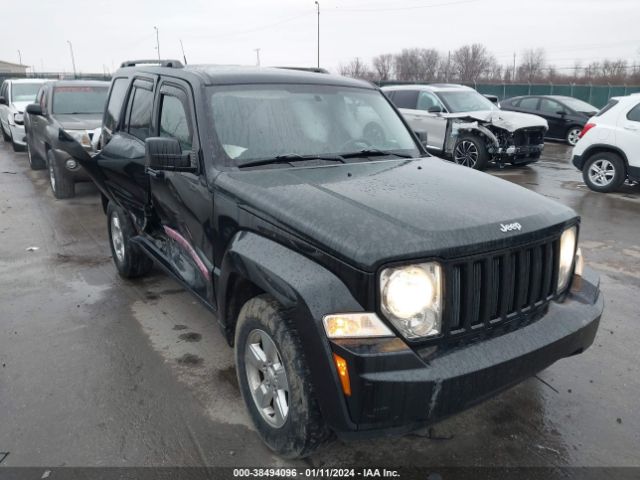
<point x="253" y="265"/>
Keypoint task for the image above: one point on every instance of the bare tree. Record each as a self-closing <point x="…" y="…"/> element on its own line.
<point x="417" y="65"/>
<point x="471" y="61"/>
<point x="614" y="71"/>
<point x="532" y="65"/>
<point x="383" y="66"/>
<point x="356" y="68"/>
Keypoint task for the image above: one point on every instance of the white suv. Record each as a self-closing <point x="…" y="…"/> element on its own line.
<point x="608" y="152"/>
<point x="15" y="95"/>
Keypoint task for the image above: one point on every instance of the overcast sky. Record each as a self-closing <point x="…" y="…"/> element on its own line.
<point x="106" y="32"/>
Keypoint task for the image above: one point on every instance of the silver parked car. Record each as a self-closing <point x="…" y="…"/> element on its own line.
<point x="466" y="127"/>
<point x="15" y="95"/>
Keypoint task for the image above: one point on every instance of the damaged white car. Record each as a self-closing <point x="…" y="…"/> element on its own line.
<point x="467" y="128"/>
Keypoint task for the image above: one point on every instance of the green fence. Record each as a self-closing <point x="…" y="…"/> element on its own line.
<point x="597" y="95"/>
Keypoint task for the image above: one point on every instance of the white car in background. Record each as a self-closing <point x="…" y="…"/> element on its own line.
<point x="608" y="152"/>
<point x="15" y="95"/>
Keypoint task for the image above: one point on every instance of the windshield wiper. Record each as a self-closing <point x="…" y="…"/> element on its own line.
<point x="288" y="158"/>
<point x="375" y="152"/>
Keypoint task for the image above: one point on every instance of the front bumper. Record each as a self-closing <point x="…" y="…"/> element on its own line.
<point x="18" y="134"/>
<point x="78" y="174"/>
<point x="395" y="389"/>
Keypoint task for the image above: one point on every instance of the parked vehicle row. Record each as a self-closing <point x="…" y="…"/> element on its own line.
<point x="365" y="286"/>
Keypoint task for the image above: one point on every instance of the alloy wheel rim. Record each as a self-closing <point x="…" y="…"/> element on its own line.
<point x="117" y="238"/>
<point x="601" y="172"/>
<point x="574" y="136"/>
<point x="267" y="378"/>
<point x="466" y="154"/>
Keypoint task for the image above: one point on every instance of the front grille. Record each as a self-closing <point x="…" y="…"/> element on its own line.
<point x="486" y="291"/>
<point x="528" y="136"/>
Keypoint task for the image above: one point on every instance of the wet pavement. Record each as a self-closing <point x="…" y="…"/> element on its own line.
<point x="99" y="371"/>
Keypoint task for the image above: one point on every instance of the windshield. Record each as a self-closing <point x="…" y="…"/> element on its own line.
<point x="265" y="121"/>
<point x="24" y="92"/>
<point x="466" y="101"/>
<point x="578" y="105"/>
<point x="79" y="99"/>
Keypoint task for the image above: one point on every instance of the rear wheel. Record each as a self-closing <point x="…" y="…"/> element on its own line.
<point x="573" y="135"/>
<point x="128" y="257"/>
<point x="471" y="151"/>
<point x="604" y="172"/>
<point x="275" y="381"/>
<point x="62" y="185"/>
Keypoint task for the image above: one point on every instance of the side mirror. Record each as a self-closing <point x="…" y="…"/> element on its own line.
<point x="561" y="112"/>
<point x="435" y="109"/>
<point x="34" y="109"/>
<point x="164" y="153"/>
<point x="3" y="101"/>
<point x="422" y="136"/>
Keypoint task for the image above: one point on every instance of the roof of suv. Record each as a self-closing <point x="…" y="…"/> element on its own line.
<point x="27" y="80"/>
<point x="435" y="87"/>
<point x="234" y="75"/>
<point x="82" y="83"/>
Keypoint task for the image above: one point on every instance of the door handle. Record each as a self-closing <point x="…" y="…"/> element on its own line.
<point x="633" y="128"/>
<point x="154" y="173"/>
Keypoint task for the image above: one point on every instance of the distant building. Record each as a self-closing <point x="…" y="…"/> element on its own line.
<point x="8" y="67"/>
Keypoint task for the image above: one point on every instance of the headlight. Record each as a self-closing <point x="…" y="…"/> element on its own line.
<point x="355" y="325"/>
<point x="411" y="298"/>
<point x="567" y="257"/>
<point x="18" y="118"/>
<point x="80" y="136"/>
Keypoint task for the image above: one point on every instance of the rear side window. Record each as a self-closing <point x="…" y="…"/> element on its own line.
<point x="607" y="107"/>
<point x="529" y="103"/>
<point x="114" y="107"/>
<point x="634" y="114"/>
<point x="139" y="112"/>
<point x="405" y="99"/>
<point x="174" y="121"/>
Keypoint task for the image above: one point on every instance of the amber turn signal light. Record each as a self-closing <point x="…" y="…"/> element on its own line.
<point x="343" y="373"/>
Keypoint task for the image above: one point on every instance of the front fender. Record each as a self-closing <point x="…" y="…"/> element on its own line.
<point x="307" y="291"/>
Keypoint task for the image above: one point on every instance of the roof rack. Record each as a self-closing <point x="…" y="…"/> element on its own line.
<point x="161" y="63"/>
<point x="306" y="69"/>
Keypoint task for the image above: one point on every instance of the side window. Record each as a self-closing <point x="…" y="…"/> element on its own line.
<point x="139" y="113"/>
<point x="3" y="90"/>
<point x="406" y="99"/>
<point x="427" y="100"/>
<point x="607" y="107"/>
<point x="529" y="103"/>
<point x="174" y="121"/>
<point x="550" y="106"/>
<point x="114" y="106"/>
<point x="634" y="114"/>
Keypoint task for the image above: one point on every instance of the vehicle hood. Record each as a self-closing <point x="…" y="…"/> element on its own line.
<point x="20" y="106"/>
<point x="510" y="121"/>
<point x="83" y="121"/>
<point x="375" y="212"/>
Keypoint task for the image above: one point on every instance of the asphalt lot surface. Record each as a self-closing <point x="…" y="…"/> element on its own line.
<point x="99" y="371"/>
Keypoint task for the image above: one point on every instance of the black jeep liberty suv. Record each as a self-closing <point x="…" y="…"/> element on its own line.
<point x="366" y="286"/>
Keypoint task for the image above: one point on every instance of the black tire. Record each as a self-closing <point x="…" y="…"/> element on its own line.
<point x="36" y="162"/>
<point x="471" y="151"/>
<point x="571" y="136"/>
<point x="16" y="147"/>
<point x="5" y="136"/>
<point x="130" y="260"/>
<point x="62" y="185"/>
<point x="303" y="430"/>
<point x="605" y="162"/>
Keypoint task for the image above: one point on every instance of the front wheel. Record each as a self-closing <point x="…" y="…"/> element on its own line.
<point x="604" y="172"/>
<point x="471" y="151"/>
<point x="35" y="162"/>
<point x="129" y="258"/>
<point x="573" y="135"/>
<point x="5" y="135"/>
<point x="62" y="185"/>
<point x="275" y="381"/>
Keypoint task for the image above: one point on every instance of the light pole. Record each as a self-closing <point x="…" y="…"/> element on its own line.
<point x="73" y="60"/>
<point x="318" y="11"/>
<point x="183" y="54"/>
<point x="20" y="56"/>
<point x="257" y="50"/>
<point x="157" y="41"/>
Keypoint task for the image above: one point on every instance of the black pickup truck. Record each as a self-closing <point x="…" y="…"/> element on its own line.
<point x="366" y="286"/>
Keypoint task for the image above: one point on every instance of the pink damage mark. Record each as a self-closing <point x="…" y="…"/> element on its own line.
<point x="184" y="243"/>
